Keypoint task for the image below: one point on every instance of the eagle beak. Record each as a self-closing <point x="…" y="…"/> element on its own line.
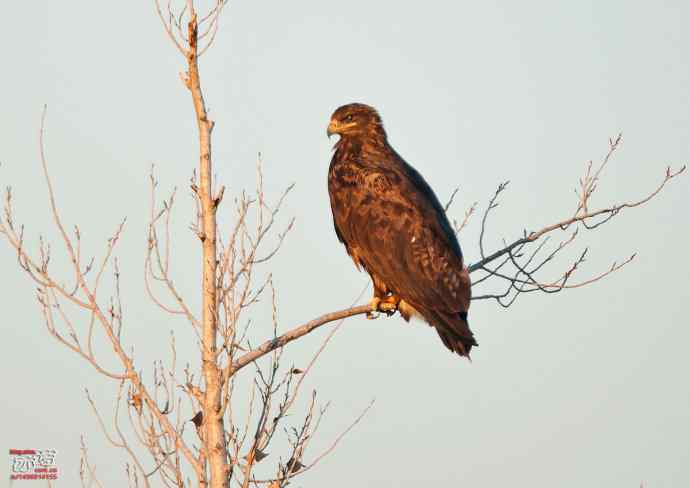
<point x="332" y="128"/>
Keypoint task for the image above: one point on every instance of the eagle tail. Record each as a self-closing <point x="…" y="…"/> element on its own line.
<point x="452" y="328"/>
<point x="455" y="332"/>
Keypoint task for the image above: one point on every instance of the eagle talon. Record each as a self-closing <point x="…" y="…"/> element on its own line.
<point x="387" y="305"/>
<point x="374" y="312"/>
<point x="388" y="308"/>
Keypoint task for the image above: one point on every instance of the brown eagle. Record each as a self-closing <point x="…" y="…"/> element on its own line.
<point x="394" y="227"/>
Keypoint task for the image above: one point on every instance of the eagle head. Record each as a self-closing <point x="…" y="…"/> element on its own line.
<point x="356" y="120"/>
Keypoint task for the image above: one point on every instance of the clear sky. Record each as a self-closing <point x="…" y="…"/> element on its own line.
<point x="588" y="388"/>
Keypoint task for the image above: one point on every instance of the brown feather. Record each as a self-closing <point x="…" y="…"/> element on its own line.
<point x="394" y="227"/>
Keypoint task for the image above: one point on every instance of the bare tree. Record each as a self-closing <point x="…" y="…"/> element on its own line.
<point x="183" y="428"/>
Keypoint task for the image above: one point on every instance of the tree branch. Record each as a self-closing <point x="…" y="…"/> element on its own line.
<point x="292" y="335"/>
<point x="564" y="224"/>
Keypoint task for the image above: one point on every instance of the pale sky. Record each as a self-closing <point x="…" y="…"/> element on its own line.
<point x="588" y="388"/>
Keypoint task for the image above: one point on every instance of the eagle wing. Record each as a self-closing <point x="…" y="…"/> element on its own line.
<point x="393" y="225"/>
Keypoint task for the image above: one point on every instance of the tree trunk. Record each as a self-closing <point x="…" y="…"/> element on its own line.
<point x="213" y="431"/>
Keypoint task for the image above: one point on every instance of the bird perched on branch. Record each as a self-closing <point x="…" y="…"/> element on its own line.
<point x="394" y="227"/>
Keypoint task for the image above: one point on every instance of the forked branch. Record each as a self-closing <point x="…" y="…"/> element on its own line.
<point x="517" y="268"/>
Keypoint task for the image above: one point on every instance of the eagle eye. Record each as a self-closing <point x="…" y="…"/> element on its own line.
<point x="348" y="117"/>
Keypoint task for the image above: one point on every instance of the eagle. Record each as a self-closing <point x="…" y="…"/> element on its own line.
<point x="393" y="226"/>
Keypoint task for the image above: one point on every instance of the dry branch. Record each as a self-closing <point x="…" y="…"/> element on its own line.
<point x="296" y="333"/>
<point x="517" y="268"/>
